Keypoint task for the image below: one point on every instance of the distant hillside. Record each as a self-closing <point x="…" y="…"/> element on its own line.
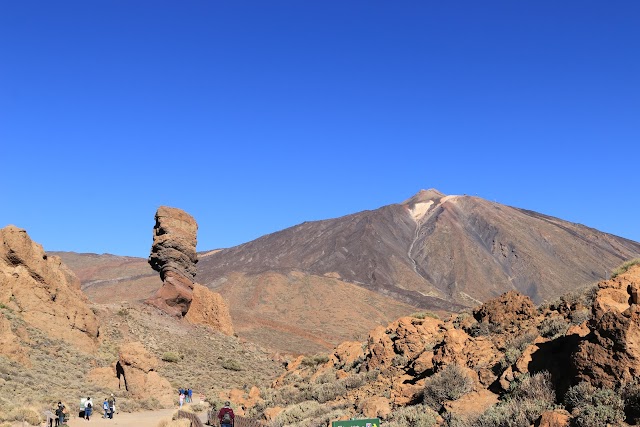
<point x="434" y="251"/>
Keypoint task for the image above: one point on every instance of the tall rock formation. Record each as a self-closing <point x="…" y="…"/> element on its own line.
<point x="173" y="255"/>
<point x="43" y="291"/>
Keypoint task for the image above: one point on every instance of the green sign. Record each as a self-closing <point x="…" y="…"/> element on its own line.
<point x="370" y="422"/>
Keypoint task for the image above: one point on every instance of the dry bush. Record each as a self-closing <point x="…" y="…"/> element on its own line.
<point x="594" y="407"/>
<point x="175" y="423"/>
<point x="315" y="360"/>
<point x="449" y="384"/>
<point x="528" y="397"/>
<point x="409" y="416"/>
<point x="22" y="414"/>
<point x="553" y="326"/>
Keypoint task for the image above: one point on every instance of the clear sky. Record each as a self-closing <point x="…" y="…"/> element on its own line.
<point x="254" y="116"/>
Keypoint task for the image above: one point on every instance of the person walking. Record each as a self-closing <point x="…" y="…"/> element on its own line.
<point x="105" y="408"/>
<point x="112" y="405"/>
<point x="60" y="414"/>
<point x="181" y="399"/>
<point x="189" y="394"/>
<point x="88" y="408"/>
<point x="226" y="415"/>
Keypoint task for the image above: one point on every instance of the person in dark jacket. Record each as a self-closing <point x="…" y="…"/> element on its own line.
<point x="226" y="415"/>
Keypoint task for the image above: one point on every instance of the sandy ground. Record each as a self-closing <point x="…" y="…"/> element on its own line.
<point x="135" y="419"/>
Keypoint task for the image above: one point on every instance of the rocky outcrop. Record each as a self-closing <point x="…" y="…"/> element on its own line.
<point x="610" y="355"/>
<point x="174" y="243"/>
<point x="139" y="368"/>
<point x="208" y="308"/>
<point x="173" y="254"/>
<point x="509" y="309"/>
<point x="43" y="291"/>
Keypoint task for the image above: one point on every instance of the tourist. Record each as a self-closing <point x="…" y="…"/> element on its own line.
<point x="105" y="408"/>
<point x="181" y="399"/>
<point x="226" y="415"/>
<point x="88" y="408"/>
<point x="189" y="394"/>
<point x="112" y="405"/>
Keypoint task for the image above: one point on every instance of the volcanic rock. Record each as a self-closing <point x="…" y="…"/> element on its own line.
<point x="507" y="310"/>
<point x="174" y="255"/>
<point x="43" y="291"/>
<point x="143" y="380"/>
<point x="174" y="243"/>
<point x="610" y="355"/>
<point x="208" y="308"/>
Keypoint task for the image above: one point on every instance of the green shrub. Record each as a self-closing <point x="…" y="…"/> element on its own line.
<point x="423" y="314"/>
<point x="231" y="365"/>
<point x="170" y="356"/>
<point x="625" y="267"/>
<point x="449" y="384"/>
<point x="318" y="359"/>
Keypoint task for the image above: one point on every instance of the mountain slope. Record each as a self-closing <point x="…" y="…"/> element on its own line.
<point x="435" y="251"/>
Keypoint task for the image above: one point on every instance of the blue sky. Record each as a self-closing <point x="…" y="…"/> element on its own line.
<point x="254" y="116"/>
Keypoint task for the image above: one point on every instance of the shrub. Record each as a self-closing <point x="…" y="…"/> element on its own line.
<point x="198" y="407"/>
<point x="231" y="365"/>
<point x="24" y="415"/>
<point x="625" y="267"/>
<point x="527" y="398"/>
<point x="449" y="384"/>
<point x="318" y="359"/>
<point x="579" y="316"/>
<point x="553" y="326"/>
<point x="408" y="416"/>
<point x="536" y="387"/>
<point x="592" y="407"/>
<point x="170" y="356"/>
<point x="423" y="314"/>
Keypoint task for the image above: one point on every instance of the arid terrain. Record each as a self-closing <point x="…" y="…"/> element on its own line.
<point x="304" y="343"/>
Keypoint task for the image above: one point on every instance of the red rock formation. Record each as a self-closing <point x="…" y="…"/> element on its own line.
<point x="508" y="309"/>
<point x="610" y="355"/>
<point x="174" y="255"/>
<point x="43" y="291"/>
<point x="208" y="308"/>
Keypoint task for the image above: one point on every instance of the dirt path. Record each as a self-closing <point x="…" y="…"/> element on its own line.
<point x="135" y="419"/>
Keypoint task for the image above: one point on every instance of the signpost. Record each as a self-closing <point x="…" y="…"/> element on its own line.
<point x="369" y="422"/>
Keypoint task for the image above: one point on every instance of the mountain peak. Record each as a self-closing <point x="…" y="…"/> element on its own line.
<point x="423" y="196"/>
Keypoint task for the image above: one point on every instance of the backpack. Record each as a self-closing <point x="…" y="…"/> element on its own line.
<point x="226" y="418"/>
<point x="89" y="405"/>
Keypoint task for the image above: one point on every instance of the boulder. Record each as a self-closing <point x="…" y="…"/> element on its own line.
<point x="43" y="291"/>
